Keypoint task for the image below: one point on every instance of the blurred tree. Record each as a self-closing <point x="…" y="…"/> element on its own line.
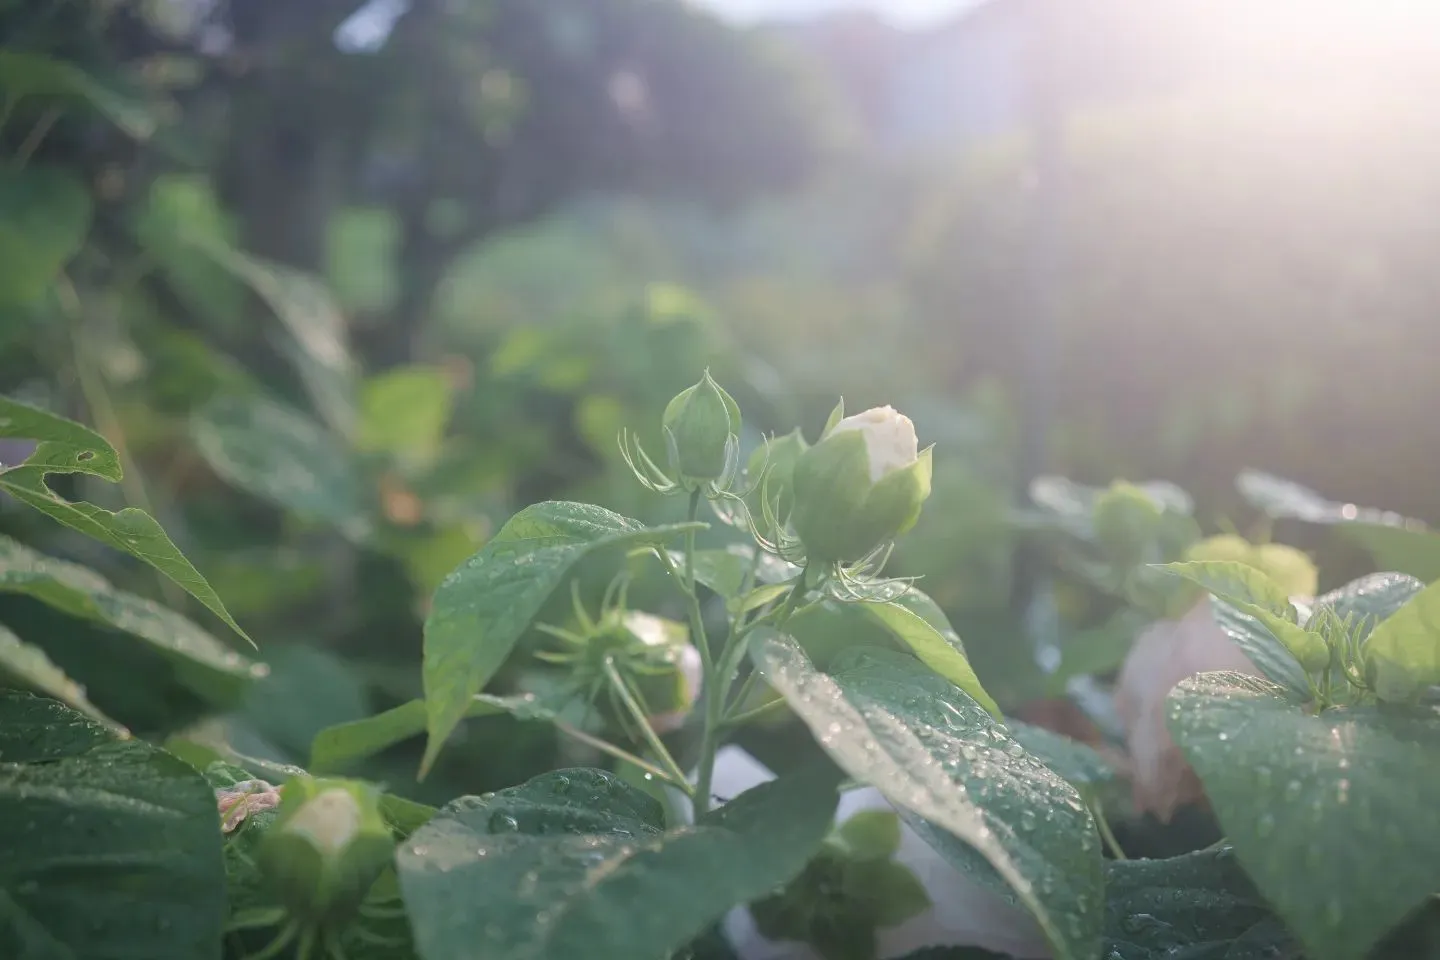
<point x="465" y="118"/>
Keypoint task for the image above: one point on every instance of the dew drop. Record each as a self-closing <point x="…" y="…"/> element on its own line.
<point x="1015" y="750"/>
<point x="503" y="823"/>
<point x="1027" y="820"/>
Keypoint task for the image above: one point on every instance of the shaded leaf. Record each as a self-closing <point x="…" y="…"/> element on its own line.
<point x="68" y="447"/>
<point x="337" y="747"/>
<point x="112" y="848"/>
<point x="1371" y="599"/>
<point x="44" y="218"/>
<point x="483" y="607"/>
<point x="283" y="457"/>
<point x="932" y="751"/>
<point x="24" y="666"/>
<point x="1327" y="812"/>
<point x="36" y="75"/>
<point x="575" y="864"/>
<point x="205" y="665"/>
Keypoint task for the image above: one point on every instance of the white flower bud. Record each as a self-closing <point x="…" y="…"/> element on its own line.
<point x="890" y="439"/>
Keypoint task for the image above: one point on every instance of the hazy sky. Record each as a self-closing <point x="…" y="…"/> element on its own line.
<point x="902" y="12"/>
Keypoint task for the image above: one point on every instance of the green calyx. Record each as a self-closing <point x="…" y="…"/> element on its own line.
<point x="840" y="514"/>
<point x="327" y="847"/>
<point x="702" y="426"/>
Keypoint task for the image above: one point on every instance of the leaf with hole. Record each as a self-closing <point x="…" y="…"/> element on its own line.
<point x="1322" y="809"/>
<point x="933" y="751"/>
<point x="68" y="447"/>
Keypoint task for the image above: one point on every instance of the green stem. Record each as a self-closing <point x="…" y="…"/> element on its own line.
<point x="619" y="753"/>
<point x="652" y="739"/>
<point x="742" y="694"/>
<point x="760" y="712"/>
<point x="1105" y="832"/>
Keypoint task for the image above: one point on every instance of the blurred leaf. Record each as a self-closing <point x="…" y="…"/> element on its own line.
<point x="482" y="608"/>
<point x="1397" y="543"/>
<point x="112" y="848"/>
<point x="281" y="456"/>
<point x="68" y="447"/>
<point x="934" y="752"/>
<point x="35" y="75"/>
<point x="585" y="853"/>
<point x="319" y="340"/>
<point x="25" y="667"/>
<point x="1324" y="810"/>
<point x="308" y="690"/>
<point x="207" y="666"/>
<point x="44" y="218"/>
<point x="403" y="412"/>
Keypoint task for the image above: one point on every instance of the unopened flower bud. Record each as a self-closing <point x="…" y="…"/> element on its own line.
<point x="702" y="423"/>
<point x="328" y="846"/>
<point x="861" y="485"/>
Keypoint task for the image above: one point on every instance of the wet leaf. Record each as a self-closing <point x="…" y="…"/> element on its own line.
<point x="939" y="648"/>
<point x="68" y="447"/>
<point x="484" y="606"/>
<point x="112" y="848"/>
<point x="1326" y="812"/>
<point x="1371" y="599"/>
<point x="576" y="864"/>
<point x="24" y="666"/>
<point x="203" y="664"/>
<point x="931" y="750"/>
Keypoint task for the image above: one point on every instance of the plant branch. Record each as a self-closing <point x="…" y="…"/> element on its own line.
<point x="605" y="746"/>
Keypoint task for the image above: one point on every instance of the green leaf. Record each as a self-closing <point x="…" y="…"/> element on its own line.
<point x="204" y="665"/>
<point x="1397" y="543"/>
<point x="1074" y="762"/>
<point x="44" y="219"/>
<point x="930" y="749"/>
<point x="1403" y="651"/>
<point x="1371" y="599"/>
<point x="404" y="412"/>
<point x="1258" y="642"/>
<point x="1198" y="904"/>
<point x="337" y="748"/>
<point x="1329" y="814"/>
<point x="1238" y="583"/>
<point x="870" y="835"/>
<point x="483" y="607"/>
<point x="1252" y="594"/>
<point x="319" y="340"/>
<point x="724" y="571"/>
<point x="112" y="848"/>
<point x="25" y="666"/>
<point x="938" y="649"/>
<point x="575" y="864"/>
<point x="283" y="457"/>
<point x="68" y="447"/>
<point x="36" y="75"/>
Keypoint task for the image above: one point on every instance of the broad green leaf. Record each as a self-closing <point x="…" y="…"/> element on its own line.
<point x="404" y="412"/>
<point x="483" y="607"/>
<point x="44" y="218"/>
<point x="24" y="666"/>
<point x="67" y="447"/>
<point x="575" y="864"/>
<point x="319" y="340"/>
<point x="204" y="664"/>
<point x="282" y="456"/>
<point x="1371" y="599"/>
<point x="1252" y="594"/>
<point x="1238" y="583"/>
<point x="337" y="747"/>
<point x="933" y="751"/>
<point x="1397" y="543"/>
<point x="1403" y="652"/>
<point x="112" y="848"/>
<point x="36" y="75"/>
<point x="1330" y="814"/>
<point x="1200" y="904"/>
<point x="938" y="649"/>
<point x="1258" y="642"/>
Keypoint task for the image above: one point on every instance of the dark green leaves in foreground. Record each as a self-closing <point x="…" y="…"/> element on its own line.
<point x="930" y="749"/>
<point x="111" y="848"/>
<point x="203" y="663"/>
<point x="1330" y="814"/>
<point x="575" y="864"/>
<point x="68" y="447"/>
<point x="483" y="607"/>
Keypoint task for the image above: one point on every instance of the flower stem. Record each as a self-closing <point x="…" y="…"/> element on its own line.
<point x="622" y="689"/>
<point x="1105" y="832"/>
<point x="605" y="746"/>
